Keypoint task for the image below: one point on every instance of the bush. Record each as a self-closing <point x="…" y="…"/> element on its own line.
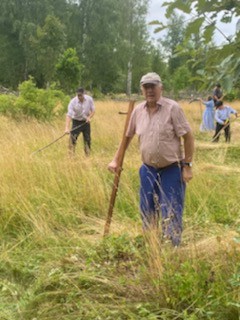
<point x="7" y="104"/>
<point x="230" y="96"/>
<point x="39" y="103"/>
<point x="97" y="94"/>
<point x="33" y="102"/>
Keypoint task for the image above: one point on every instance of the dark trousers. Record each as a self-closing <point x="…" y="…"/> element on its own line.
<point x="227" y="132"/>
<point x="84" y="128"/>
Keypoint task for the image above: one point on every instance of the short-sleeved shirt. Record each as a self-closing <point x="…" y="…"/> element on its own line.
<point x="159" y="133"/>
<point x="221" y="115"/>
<point x="80" y="110"/>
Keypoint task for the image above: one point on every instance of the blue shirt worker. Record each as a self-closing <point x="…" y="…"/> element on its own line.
<point x="222" y="117"/>
<point x="161" y="125"/>
<point x="80" y="111"/>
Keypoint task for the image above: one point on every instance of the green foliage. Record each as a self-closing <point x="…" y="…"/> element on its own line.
<point x="182" y="286"/>
<point x="97" y="94"/>
<point x="230" y="96"/>
<point x="35" y="34"/>
<point x="174" y="38"/>
<point x="208" y="33"/>
<point x="116" y="50"/>
<point x="184" y="6"/>
<point x="159" y="65"/>
<point x="50" y="42"/>
<point x="181" y="78"/>
<point x="33" y="102"/>
<point x="11" y="66"/>
<point x="69" y="70"/>
<point x="194" y="27"/>
<point x="7" y="104"/>
<point x="116" y="248"/>
<point x="217" y="61"/>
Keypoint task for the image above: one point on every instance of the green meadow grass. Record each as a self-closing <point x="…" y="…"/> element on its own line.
<point x="55" y="263"/>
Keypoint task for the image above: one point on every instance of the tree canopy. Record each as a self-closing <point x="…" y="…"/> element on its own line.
<point x="105" y="45"/>
<point x="219" y="62"/>
<point x="106" y="35"/>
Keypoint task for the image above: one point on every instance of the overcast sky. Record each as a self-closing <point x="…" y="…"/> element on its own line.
<point x="156" y="12"/>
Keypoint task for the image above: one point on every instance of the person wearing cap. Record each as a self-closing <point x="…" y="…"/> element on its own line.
<point x="222" y="117"/>
<point x="80" y="112"/>
<point x="160" y="124"/>
<point x="217" y="93"/>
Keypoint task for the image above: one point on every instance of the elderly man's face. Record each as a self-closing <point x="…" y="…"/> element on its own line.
<point x="152" y="92"/>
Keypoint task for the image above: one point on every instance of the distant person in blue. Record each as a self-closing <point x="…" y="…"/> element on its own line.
<point x="208" y="115"/>
<point x="222" y="117"/>
<point x="217" y="93"/>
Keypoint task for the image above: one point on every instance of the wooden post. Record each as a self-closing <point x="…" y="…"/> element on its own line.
<point x="122" y="150"/>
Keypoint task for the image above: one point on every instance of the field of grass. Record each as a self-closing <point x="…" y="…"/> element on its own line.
<point x="55" y="263"/>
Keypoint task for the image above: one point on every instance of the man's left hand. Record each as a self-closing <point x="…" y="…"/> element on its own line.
<point x="187" y="174"/>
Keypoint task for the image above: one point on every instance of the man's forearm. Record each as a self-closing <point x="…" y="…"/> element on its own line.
<point x="68" y="121"/>
<point x="91" y="114"/>
<point x="188" y="146"/>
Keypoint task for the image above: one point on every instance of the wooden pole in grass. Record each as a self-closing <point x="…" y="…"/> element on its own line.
<point x="122" y="150"/>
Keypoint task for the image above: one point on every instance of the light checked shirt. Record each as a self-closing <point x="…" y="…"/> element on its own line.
<point x="159" y="133"/>
<point x="80" y="110"/>
<point x="221" y="115"/>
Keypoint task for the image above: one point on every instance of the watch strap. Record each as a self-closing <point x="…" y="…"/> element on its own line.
<point x="187" y="164"/>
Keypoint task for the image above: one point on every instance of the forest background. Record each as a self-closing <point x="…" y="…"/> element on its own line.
<point x="106" y="47"/>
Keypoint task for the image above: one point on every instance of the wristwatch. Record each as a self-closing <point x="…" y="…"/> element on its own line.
<point x="187" y="164"/>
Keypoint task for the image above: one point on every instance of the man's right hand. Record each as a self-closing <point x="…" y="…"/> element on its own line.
<point x="67" y="131"/>
<point x="112" y="166"/>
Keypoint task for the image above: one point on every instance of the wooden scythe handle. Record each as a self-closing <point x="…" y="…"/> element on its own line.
<point x="222" y="129"/>
<point x="122" y="150"/>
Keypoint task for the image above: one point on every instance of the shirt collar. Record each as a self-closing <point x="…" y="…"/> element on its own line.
<point x="159" y="103"/>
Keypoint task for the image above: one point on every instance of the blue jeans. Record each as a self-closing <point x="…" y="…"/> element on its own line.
<point x="163" y="190"/>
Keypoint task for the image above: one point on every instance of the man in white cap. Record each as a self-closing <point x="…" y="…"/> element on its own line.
<point x="160" y="124"/>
